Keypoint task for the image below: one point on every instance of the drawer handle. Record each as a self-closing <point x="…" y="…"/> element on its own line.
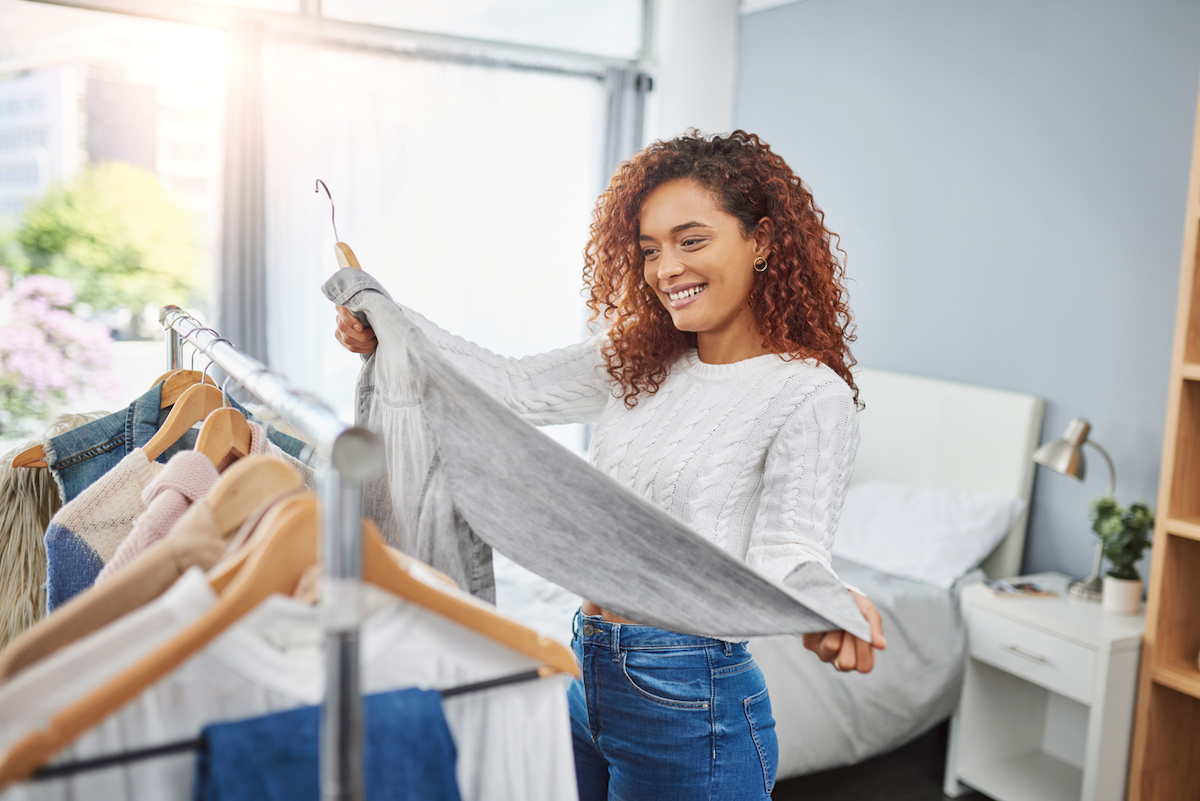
<point x="1015" y="651"/>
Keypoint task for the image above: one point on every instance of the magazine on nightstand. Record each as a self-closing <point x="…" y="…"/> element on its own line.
<point x="1007" y="588"/>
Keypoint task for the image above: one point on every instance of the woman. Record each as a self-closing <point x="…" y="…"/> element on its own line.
<point x="733" y="408"/>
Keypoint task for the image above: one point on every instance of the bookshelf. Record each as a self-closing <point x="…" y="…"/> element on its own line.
<point x="1165" y="763"/>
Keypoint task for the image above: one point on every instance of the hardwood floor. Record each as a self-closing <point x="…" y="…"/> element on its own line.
<point x="910" y="773"/>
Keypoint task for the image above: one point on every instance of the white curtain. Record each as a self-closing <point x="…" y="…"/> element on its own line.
<point x="466" y="190"/>
<point x="240" y="285"/>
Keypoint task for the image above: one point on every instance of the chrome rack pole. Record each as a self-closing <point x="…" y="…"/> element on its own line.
<point x="174" y="349"/>
<point x="352" y="456"/>
<point x="342" y="725"/>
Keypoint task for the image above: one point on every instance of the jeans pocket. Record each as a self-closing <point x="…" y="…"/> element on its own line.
<point x="681" y="680"/>
<point x="762" y="729"/>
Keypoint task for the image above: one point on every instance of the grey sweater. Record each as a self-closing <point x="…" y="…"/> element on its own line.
<point x="467" y="474"/>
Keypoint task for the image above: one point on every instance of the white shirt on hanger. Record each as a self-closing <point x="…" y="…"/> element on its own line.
<point x="512" y="742"/>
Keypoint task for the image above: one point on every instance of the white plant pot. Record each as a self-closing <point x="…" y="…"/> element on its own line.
<point x="1122" y="596"/>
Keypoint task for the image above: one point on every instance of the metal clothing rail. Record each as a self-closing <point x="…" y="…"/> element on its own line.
<point x="350" y="456"/>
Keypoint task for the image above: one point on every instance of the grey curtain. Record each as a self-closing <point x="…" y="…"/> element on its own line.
<point x="240" y="288"/>
<point x="626" y="90"/>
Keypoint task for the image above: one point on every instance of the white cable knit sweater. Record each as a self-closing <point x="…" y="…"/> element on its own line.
<point x="755" y="456"/>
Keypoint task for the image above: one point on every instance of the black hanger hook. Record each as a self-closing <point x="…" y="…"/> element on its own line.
<point x="332" y="211"/>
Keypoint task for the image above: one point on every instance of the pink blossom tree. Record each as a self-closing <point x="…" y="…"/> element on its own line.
<point x="48" y="354"/>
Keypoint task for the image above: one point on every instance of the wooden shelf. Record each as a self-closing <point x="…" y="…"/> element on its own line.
<point x="1183" y="475"/>
<point x="1190" y="371"/>
<point x="1170" y="771"/>
<point x="1189" y="527"/>
<point x="1178" y="678"/>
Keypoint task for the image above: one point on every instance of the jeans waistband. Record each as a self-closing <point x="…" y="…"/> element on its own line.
<point x="595" y="630"/>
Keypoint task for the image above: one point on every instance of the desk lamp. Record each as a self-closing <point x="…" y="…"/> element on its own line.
<point x="1066" y="456"/>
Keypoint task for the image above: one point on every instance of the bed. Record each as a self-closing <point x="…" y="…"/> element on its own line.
<point x="928" y="447"/>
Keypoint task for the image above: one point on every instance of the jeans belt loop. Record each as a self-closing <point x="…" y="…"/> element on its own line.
<point x="728" y="648"/>
<point x="616" y="642"/>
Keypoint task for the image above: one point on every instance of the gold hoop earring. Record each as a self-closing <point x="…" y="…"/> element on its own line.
<point x="761" y="269"/>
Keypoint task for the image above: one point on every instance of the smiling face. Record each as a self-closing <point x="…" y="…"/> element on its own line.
<point x="701" y="267"/>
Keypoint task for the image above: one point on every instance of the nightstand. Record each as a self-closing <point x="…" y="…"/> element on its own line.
<point x="1047" y="703"/>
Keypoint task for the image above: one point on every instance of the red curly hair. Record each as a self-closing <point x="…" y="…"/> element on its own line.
<point x="799" y="302"/>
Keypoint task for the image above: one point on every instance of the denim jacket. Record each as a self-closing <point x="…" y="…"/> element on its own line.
<point x="78" y="457"/>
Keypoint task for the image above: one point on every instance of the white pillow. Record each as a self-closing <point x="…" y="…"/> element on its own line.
<point x="930" y="534"/>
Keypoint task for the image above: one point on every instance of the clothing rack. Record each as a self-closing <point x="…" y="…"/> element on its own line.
<point x="350" y="457"/>
<point x="198" y="744"/>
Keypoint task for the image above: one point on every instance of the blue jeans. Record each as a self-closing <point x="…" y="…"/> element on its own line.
<point x="661" y="716"/>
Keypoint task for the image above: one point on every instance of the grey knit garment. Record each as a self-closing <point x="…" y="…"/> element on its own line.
<point x="465" y="475"/>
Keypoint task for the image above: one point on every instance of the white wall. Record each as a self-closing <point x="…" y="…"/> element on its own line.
<point x="693" y="58"/>
<point x="1009" y="182"/>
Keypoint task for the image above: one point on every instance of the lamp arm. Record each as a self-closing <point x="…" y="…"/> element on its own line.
<point x="1112" y="471"/>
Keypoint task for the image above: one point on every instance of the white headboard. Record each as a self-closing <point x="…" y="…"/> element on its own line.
<point x="924" y="431"/>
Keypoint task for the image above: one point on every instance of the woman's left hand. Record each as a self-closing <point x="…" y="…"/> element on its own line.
<point x="846" y="651"/>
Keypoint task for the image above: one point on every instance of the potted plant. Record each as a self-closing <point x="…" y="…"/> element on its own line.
<point x="1124" y="535"/>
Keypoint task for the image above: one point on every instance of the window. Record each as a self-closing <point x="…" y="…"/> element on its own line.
<point x="603" y="27"/>
<point x="466" y="190"/>
<point x="463" y="179"/>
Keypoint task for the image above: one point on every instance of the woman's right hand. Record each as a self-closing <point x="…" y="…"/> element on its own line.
<point x="353" y="334"/>
<point x="844" y="650"/>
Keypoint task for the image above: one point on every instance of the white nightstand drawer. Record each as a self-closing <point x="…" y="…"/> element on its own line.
<point x="1046" y="660"/>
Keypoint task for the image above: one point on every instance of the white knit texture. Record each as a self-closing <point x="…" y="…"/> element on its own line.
<point x="568" y="385"/>
<point x="754" y="456"/>
<point x="103" y="514"/>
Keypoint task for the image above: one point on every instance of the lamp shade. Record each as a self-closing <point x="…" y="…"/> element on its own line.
<point x="1066" y="455"/>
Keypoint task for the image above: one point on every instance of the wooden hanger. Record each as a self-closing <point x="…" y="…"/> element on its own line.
<point x="225" y="431"/>
<point x="194" y="405"/>
<point x="176" y="382"/>
<point x="273" y="567"/>
<point x="399" y="574"/>
<point x="224" y="572"/>
<point x="275" y="562"/>
<point x="244" y="487"/>
<point x="345" y="256"/>
<point x="34" y="456"/>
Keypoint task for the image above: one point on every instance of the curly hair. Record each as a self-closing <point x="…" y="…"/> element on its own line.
<point x="799" y="302"/>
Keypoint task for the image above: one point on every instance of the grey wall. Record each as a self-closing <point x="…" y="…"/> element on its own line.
<point x="1009" y="180"/>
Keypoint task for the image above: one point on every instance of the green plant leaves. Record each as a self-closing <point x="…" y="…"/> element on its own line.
<point x="118" y="236"/>
<point x="1124" y="534"/>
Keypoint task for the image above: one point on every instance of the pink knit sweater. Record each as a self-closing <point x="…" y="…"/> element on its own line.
<point x="187" y="478"/>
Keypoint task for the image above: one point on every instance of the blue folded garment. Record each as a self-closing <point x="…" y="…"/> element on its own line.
<point x="409" y="753"/>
